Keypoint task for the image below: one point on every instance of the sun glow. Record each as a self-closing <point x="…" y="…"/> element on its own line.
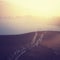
<point x="21" y="16"/>
<point x="37" y="12"/>
<point x="43" y="8"/>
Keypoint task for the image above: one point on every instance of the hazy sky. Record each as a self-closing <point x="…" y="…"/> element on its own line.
<point x="20" y="16"/>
